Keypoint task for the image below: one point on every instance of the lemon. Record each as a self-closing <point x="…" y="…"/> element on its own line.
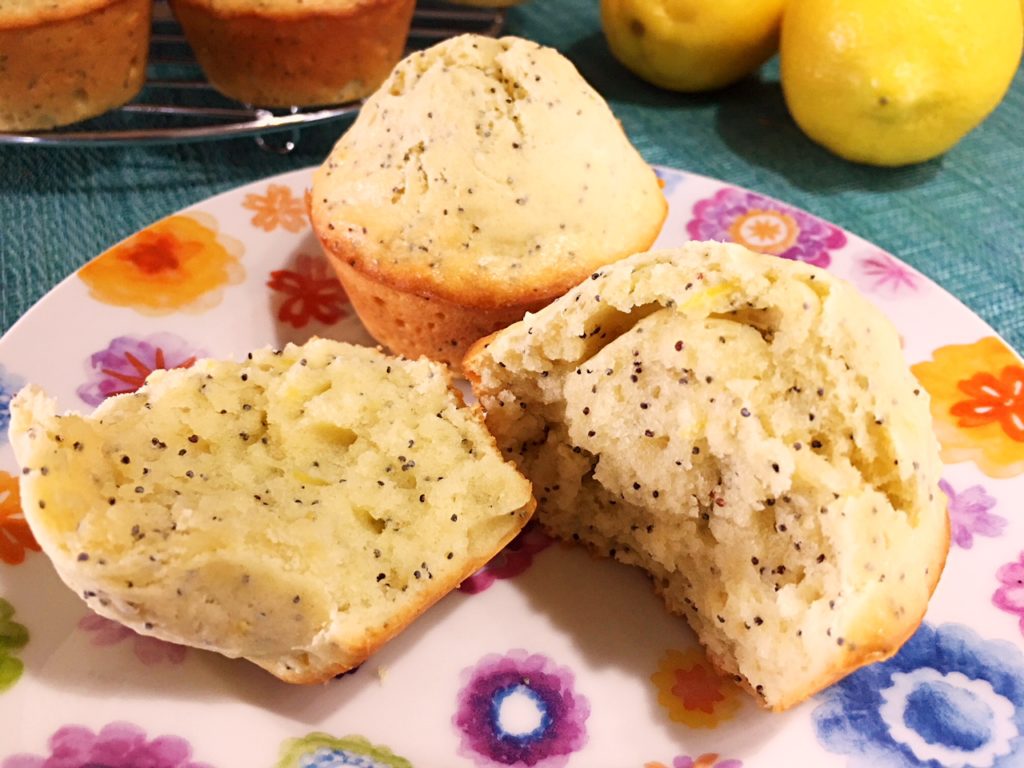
<point x="893" y="82"/>
<point x="692" y="45"/>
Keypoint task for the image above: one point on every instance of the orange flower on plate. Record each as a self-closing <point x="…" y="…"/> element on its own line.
<point x="277" y="208"/>
<point x="977" y="393"/>
<point x="706" y="760"/>
<point x="15" y="535"/>
<point x="766" y="231"/>
<point x="179" y="263"/>
<point x="692" y="691"/>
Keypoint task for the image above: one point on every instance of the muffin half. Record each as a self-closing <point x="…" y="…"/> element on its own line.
<point x="746" y="430"/>
<point x="297" y="509"/>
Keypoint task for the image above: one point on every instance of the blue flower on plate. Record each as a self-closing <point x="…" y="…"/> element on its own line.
<point x="948" y="698"/>
<point x="9" y="384"/>
<point x="669" y="179"/>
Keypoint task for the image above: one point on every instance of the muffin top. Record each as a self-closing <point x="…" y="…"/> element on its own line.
<point x="485" y="172"/>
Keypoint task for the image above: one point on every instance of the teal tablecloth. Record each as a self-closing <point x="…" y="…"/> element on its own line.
<point x="959" y="219"/>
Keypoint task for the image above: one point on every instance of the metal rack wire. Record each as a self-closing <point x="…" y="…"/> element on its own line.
<point x="177" y="104"/>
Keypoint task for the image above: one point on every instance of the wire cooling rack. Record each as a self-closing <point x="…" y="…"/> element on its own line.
<point x="177" y="103"/>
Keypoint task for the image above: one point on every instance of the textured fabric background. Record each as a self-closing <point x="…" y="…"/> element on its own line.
<point x="959" y="219"/>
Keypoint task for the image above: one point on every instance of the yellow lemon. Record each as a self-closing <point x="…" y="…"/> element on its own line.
<point x="692" y="45"/>
<point x="893" y="82"/>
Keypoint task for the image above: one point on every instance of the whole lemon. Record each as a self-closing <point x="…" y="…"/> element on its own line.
<point x="893" y="82"/>
<point x="692" y="45"/>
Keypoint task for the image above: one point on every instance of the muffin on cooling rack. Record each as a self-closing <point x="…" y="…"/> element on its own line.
<point x="278" y="53"/>
<point x="481" y="181"/>
<point x="69" y="61"/>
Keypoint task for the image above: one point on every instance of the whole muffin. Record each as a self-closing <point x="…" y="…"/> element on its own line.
<point x="69" y="61"/>
<point x="279" y="53"/>
<point x="482" y="180"/>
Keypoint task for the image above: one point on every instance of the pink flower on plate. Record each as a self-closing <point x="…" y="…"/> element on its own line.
<point x="1010" y="596"/>
<point x="881" y="272"/>
<point x="969" y="514"/>
<point x="117" y="745"/>
<point x="148" y="650"/>
<point x="511" y="561"/>
<point x="126" y="362"/>
<point x="765" y="225"/>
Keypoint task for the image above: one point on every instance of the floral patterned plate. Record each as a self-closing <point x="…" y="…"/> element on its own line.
<point x="547" y="657"/>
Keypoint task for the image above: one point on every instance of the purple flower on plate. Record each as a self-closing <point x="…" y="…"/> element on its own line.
<point x="117" y="745"/>
<point x="511" y="561"/>
<point x="765" y="225"/>
<point x="1010" y="596"/>
<point x="148" y="650"/>
<point x="124" y="365"/>
<point x="881" y="272"/>
<point x="520" y="709"/>
<point x="969" y="515"/>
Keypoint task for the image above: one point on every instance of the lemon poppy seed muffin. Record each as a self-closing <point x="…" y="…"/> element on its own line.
<point x="483" y="179"/>
<point x="279" y="53"/>
<point x="296" y="509"/>
<point x="69" y="61"/>
<point x="745" y="429"/>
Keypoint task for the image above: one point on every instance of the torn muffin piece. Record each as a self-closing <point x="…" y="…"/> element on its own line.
<point x="297" y="509"/>
<point x="745" y="429"/>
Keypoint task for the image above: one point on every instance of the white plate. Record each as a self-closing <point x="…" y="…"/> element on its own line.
<point x="558" y="658"/>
